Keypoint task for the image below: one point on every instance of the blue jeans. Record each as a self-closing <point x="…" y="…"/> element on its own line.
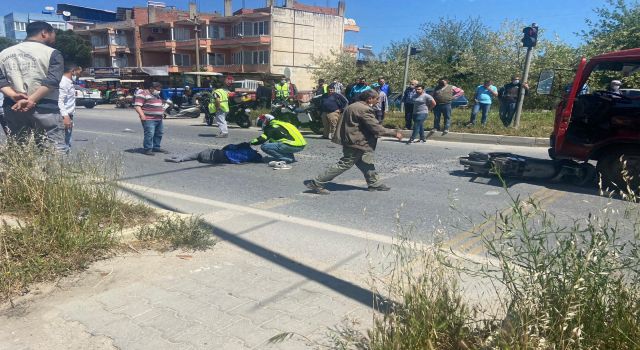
<point x="439" y="110"/>
<point x="67" y="133"/>
<point x="281" y="151"/>
<point x="485" y="112"/>
<point x="418" y="125"/>
<point x="153" y="131"/>
<point x="507" y="111"/>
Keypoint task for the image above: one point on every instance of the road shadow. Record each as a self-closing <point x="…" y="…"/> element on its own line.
<point x="494" y="181"/>
<point x="208" y="135"/>
<point x="336" y="187"/>
<point x="179" y="170"/>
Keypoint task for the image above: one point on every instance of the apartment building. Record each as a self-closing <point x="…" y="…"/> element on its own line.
<point x="271" y="40"/>
<point x="15" y="23"/>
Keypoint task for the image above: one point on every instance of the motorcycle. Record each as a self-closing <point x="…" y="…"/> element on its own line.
<point x="173" y="111"/>
<point x="239" y="110"/>
<point x="123" y="100"/>
<point x="306" y="115"/>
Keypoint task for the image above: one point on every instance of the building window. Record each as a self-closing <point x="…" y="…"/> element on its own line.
<point x="183" y="60"/>
<point x="216" y="31"/>
<point x="251" y="28"/>
<point x="58" y="25"/>
<point x="251" y="57"/>
<point x="237" y="57"/>
<point x="121" y="61"/>
<point x="99" y="41"/>
<point x="20" y="26"/>
<point x="182" y="34"/>
<point x="99" y="61"/>
<point x="216" y="59"/>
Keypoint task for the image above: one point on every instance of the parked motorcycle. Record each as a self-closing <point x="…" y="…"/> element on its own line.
<point x="123" y="100"/>
<point x="239" y="110"/>
<point x="173" y="111"/>
<point x="305" y="115"/>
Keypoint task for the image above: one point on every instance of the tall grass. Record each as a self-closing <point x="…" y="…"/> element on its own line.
<point x="68" y="209"/>
<point x="551" y="283"/>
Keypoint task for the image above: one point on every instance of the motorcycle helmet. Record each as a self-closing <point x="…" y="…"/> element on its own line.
<point x="264" y="119"/>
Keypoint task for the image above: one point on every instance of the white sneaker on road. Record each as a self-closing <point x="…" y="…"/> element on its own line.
<point x="281" y="166"/>
<point x="272" y="163"/>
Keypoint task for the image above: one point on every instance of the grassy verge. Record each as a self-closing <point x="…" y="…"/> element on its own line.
<point x="69" y="212"/>
<point x="532" y="123"/>
<point x="175" y="232"/>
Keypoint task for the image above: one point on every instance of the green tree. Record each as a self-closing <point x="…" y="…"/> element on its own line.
<point x="616" y="28"/>
<point x="5" y="42"/>
<point x="73" y="47"/>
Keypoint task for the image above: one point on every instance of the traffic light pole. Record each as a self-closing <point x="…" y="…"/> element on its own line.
<point x="406" y="74"/>
<point x="525" y="78"/>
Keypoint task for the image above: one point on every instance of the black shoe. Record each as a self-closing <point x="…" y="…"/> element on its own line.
<point x="315" y="187"/>
<point x="160" y="150"/>
<point x="148" y="152"/>
<point x="383" y="188"/>
<point x="410" y="141"/>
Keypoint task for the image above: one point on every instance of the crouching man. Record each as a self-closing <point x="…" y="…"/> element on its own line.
<point x="280" y="140"/>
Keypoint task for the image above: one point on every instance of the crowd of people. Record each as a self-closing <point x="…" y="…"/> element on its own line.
<point x="39" y="99"/>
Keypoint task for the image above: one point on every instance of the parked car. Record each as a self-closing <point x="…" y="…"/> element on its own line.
<point x="395" y="100"/>
<point x="88" y="98"/>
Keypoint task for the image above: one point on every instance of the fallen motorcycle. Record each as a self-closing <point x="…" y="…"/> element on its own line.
<point x="173" y="111"/>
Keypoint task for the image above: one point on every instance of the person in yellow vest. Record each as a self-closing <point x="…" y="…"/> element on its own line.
<point x="322" y="88"/>
<point x="219" y="107"/>
<point x="280" y="140"/>
<point x="282" y="90"/>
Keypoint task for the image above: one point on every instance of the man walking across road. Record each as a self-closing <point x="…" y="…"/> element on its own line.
<point x="219" y="107"/>
<point x="444" y="94"/>
<point x="407" y="100"/>
<point x="332" y="105"/>
<point x="30" y="74"/>
<point x="67" y="99"/>
<point x="280" y="140"/>
<point x="482" y="97"/>
<point x="358" y="132"/>
<point x="148" y="105"/>
<point x="508" y="99"/>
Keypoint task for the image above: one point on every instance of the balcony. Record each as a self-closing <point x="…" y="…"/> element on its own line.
<point x="242" y="68"/>
<point x="190" y="44"/>
<point x="241" y="41"/>
<point x="122" y="49"/>
<point x="160" y="45"/>
<point x="100" y="49"/>
<point x="351" y="28"/>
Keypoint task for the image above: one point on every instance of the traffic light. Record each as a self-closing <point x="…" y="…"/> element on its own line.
<point x="414" y="51"/>
<point x="530" y="38"/>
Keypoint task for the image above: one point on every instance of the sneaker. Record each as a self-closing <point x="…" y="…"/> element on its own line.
<point x="315" y="187"/>
<point x="445" y="132"/>
<point x="382" y="188"/>
<point x="423" y="141"/>
<point x="469" y="125"/>
<point x="148" y="152"/>
<point x="160" y="150"/>
<point x="281" y="166"/>
<point x="410" y="141"/>
<point x="223" y="136"/>
<point x="272" y="163"/>
<point x="434" y="130"/>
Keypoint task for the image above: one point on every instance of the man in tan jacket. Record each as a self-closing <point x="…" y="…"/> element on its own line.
<point x="357" y="131"/>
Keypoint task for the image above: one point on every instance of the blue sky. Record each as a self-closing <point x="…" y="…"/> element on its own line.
<point x="383" y="21"/>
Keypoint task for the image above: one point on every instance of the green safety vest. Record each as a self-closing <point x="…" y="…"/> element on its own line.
<point x="223" y="95"/>
<point x="282" y="91"/>
<point x="298" y="139"/>
<point x="325" y="88"/>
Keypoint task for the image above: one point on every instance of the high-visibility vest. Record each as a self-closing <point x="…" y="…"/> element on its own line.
<point x="282" y="90"/>
<point x="298" y="139"/>
<point x="325" y="88"/>
<point x="223" y="95"/>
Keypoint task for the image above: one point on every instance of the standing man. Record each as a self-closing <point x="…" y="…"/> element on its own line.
<point x="357" y="89"/>
<point x="67" y="99"/>
<point x="381" y="106"/>
<point x="30" y="74"/>
<point x="407" y="99"/>
<point x="384" y="87"/>
<point x="293" y="89"/>
<point x="358" y="133"/>
<point x="148" y="105"/>
<point x="444" y="94"/>
<point x="219" y="107"/>
<point x="509" y="98"/>
<point x="322" y="87"/>
<point x="332" y="105"/>
<point x="338" y="86"/>
<point x="281" y="92"/>
<point x="483" y="96"/>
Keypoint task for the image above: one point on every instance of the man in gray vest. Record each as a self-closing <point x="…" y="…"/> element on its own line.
<point x="30" y="73"/>
<point x="444" y="94"/>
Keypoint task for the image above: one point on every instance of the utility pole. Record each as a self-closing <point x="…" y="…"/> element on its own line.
<point x="195" y="19"/>
<point x="529" y="41"/>
<point x="406" y="74"/>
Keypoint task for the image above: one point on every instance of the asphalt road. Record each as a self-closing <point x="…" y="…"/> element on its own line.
<point x="426" y="179"/>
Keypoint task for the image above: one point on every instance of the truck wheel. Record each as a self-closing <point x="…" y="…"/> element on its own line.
<point x="90" y="105"/>
<point x="244" y="121"/>
<point x="621" y="169"/>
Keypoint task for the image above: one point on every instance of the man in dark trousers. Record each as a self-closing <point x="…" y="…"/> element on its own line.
<point x="407" y="99"/>
<point x="508" y="95"/>
<point x="332" y="105"/>
<point x="358" y="132"/>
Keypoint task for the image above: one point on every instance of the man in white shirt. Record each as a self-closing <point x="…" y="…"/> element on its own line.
<point x="67" y="99"/>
